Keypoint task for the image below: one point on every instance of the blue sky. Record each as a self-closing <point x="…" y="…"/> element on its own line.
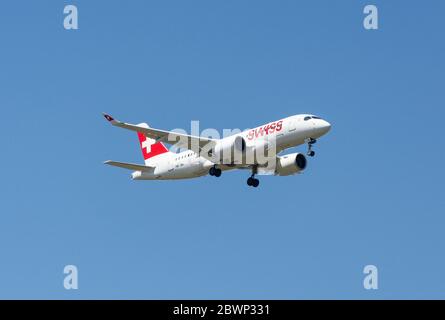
<point x="373" y="194"/>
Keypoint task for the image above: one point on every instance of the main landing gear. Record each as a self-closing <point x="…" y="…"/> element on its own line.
<point x="214" y="171"/>
<point x="310" y="142"/>
<point x="252" y="181"/>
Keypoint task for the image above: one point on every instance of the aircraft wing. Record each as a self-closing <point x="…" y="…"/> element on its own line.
<point x="169" y="137"/>
<point x="130" y="166"/>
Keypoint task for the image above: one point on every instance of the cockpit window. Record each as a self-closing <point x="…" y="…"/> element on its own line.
<point x="311" y="117"/>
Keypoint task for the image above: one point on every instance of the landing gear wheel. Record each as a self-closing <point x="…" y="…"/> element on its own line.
<point x="311" y="153"/>
<point x="252" y="182"/>
<point x="216" y="172"/>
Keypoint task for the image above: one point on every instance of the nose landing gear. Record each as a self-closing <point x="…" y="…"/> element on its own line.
<point x="310" y="142"/>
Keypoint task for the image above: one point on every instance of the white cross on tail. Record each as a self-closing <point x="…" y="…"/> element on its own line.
<point x="147" y="144"/>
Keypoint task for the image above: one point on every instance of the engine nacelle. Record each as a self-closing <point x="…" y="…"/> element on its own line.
<point x="229" y="150"/>
<point x="290" y="164"/>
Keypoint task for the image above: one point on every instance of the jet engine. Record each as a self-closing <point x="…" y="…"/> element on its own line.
<point x="290" y="164"/>
<point x="229" y="150"/>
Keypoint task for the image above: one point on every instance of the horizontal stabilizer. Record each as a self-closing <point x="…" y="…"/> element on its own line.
<point x="130" y="166"/>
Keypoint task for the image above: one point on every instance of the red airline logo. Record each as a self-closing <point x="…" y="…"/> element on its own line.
<point x="265" y="130"/>
<point x="150" y="148"/>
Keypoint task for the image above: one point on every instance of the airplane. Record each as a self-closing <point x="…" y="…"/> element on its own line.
<point x="206" y="156"/>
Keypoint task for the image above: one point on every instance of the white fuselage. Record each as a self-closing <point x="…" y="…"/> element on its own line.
<point x="287" y="133"/>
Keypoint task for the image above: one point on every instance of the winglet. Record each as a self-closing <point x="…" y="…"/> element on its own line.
<point x="109" y="118"/>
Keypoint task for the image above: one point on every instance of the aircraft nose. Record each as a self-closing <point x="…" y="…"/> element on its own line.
<point x="324" y="126"/>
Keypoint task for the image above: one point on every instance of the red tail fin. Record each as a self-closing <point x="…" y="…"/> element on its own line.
<point x="150" y="148"/>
